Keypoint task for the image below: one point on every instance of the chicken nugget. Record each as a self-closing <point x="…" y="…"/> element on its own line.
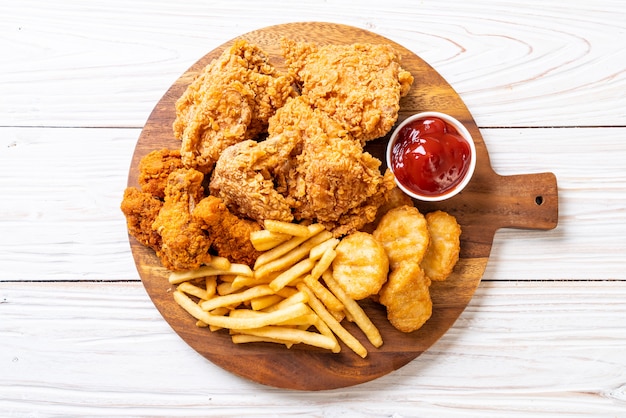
<point x="406" y="296"/>
<point x="445" y="244"/>
<point x="404" y="234"/>
<point x="361" y="265"/>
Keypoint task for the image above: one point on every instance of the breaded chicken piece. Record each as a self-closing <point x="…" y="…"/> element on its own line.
<point x="229" y="102"/>
<point x="185" y="246"/>
<point x="141" y="209"/>
<point x="445" y="244"/>
<point x="360" y="265"/>
<point x="406" y="295"/>
<point x="230" y="235"/>
<point x="154" y="169"/>
<point x="245" y="174"/>
<point x="404" y="234"/>
<point x="358" y="85"/>
<point x="332" y="180"/>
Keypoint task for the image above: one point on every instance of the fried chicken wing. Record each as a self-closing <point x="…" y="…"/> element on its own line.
<point x="230" y="235"/>
<point x="185" y="245"/>
<point x="357" y="85"/>
<point x="141" y="209"/>
<point x="244" y="177"/>
<point x="229" y="102"/>
<point x="154" y="169"/>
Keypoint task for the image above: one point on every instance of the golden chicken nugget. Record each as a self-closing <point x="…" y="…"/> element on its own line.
<point x="445" y="244"/>
<point x="407" y="297"/>
<point x="360" y="265"/>
<point x="403" y="232"/>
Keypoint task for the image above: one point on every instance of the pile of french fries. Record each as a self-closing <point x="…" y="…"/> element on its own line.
<point x="282" y="298"/>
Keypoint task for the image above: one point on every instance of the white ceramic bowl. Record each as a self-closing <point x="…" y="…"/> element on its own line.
<point x="461" y="129"/>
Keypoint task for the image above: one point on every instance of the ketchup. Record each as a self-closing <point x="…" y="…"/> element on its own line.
<point x="430" y="157"/>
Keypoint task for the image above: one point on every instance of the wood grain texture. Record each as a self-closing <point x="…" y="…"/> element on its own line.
<point x="543" y="334"/>
<point x="553" y="63"/>
<point x="518" y="350"/>
<point x="489" y="202"/>
<point x="69" y="219"/>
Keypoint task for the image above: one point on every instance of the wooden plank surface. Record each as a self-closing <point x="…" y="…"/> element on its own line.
<point x="70" y="219"/>
<point x="543" y="335"/>
<point x="515" y="64"/>
<point x="519" y="349"/>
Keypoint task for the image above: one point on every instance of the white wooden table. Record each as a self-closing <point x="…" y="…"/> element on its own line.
<point x="544" y="334"/>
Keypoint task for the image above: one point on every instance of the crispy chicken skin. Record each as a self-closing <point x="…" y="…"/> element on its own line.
<point x="141" y="209"/>
<point x="230" y="235"/>
<point x="229" y="102"/>
<point x="154" y="169"/>
<point x="357" y="85"/>
<point x="244" y="177"/>
<point x="331" y="179"/>
<point x="185" y="245"/>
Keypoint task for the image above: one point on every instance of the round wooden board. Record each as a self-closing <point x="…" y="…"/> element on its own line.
<point x="490" y="202"/>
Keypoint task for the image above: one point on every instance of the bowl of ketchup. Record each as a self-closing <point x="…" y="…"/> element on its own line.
<point x="432" y="156"/>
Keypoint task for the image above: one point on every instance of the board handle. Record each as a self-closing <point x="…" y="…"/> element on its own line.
<point x="526" y="201"/>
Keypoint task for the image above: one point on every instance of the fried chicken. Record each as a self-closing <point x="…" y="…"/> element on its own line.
<point x="229" y="102"/>
<point x="154" y="169"/>
<point x="141" y="209"/>
<point x="185" y="245"/>
<point x="357" y="85"/>
<point x="332" y="180"/>
<point x="245" y="176"/>
<point x="230" y="235"/>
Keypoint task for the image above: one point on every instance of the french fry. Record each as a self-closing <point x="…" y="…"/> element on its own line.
<point x="218" y="312"/>
<point x="264" y="240"/>
<point x="211" y="286"/>
<point x="356" y="312"/>
<point x="287" y="246"/>
<point x="290" y="258"/>
<point x="305" y="320"/>
<point x="289" y="228"/>
<point x="247" y="338"/>
<point x="204" y="271"/>
<point x="193" y="290"/>
<point x="290" y="275"/>
<point x="293" y="335"/>
<point x="240" y="282"/>
<point x="298" y="297"/>
<point x="263" y="302"/>
<point x="323" y="263"/>
<point x="235" y="299"/>
<point x="225" y="288"/>
<point x="326" y="296"/>
<point x="324" y="330"/>
<point x="258" y="321"/>
<point x="318" y="251"/>
<point x="220" y="263"/>
<point x="343" y="334"/>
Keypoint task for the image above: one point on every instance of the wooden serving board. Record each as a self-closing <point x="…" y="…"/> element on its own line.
<point x="489" y="202"/>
